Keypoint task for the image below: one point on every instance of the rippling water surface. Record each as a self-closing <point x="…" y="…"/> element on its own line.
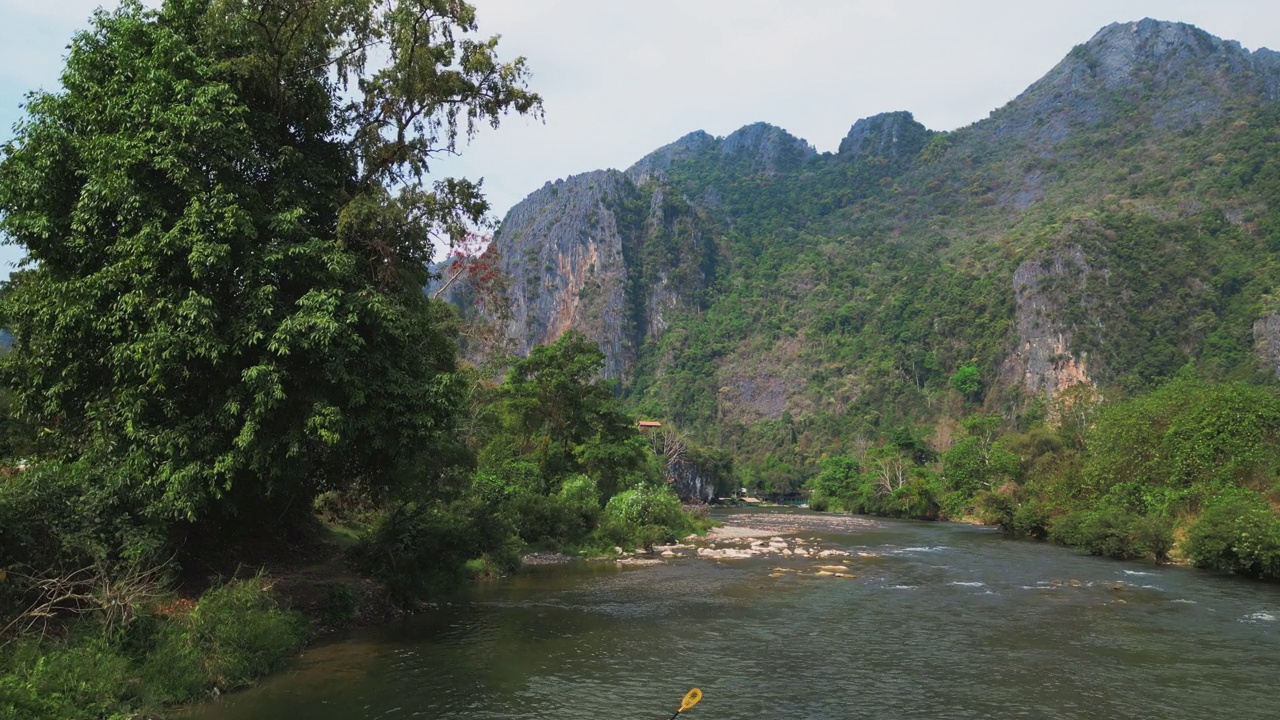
<point x="942" y="621"/>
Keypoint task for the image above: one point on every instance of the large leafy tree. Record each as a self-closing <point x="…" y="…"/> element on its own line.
<point x="558" y="413"/>
<point x="228" y="215"/>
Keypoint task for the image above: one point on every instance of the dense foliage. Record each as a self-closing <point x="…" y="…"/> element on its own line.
<point x="236" y="633"/>
<point x="220" y="324"/>
<point x="227" y="225"/>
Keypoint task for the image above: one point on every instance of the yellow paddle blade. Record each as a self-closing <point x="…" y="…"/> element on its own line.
<point x="691" y="698"/>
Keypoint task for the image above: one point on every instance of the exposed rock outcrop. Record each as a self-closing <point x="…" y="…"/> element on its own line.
<point x="625" y="256"/>
<point x="1176" y="75"/>
<point x="655" y="164"/>
<point x="691" y="481"/>
<point x="1266" y="340"/>
<point x="563" y="257"/>
<point x="599" y="254"/>
<point x="1042" y="362"/>
<point x="893" y="135"/>
<point x="766" y="148"/>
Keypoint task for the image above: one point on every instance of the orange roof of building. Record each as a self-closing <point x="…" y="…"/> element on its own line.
<point x="650" y="423"/>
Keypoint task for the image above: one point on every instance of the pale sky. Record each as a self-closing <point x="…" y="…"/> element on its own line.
<point x="620" y="79"/>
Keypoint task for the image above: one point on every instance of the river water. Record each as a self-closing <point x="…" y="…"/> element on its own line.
<point x="942" y="621"/>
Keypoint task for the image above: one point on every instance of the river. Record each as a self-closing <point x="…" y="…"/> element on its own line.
<point x="941" y="621"/>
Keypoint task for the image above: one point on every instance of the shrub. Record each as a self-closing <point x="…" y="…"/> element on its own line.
<point x="340" y="607"/>
<point x="83" y="677"/>
<point x="538" y="518"/>
<point x="996" y="508"/>
<point x="60" y="514"/>
<point x="954" y="504"/>
<point x="644" y="516"/>
<point x="1030" y="520"/>
<point x="1153" y="536"/>
<point x="646" y="505"/>
<point x="579" y="500"/>
<point x="239" y="631"/>
<point x="1011" y="511"/>
<point x="1239" y="533"/>
<point x="1114" y="533"/>
<point x="919" y="498"/>
<point x="420" y="549"/>
<point x="172" y="666"/>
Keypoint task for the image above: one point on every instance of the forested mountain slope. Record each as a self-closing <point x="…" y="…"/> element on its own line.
<point x="1113" y="223"/>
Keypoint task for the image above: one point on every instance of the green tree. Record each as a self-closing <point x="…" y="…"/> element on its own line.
<point x="967" y="381"/>
<point x="227" y="219"/>
<point x="559" y="414"/>
<point x="1183" y="445"/>
<point x="979" y="461"/>
<point x="835" y="484"/>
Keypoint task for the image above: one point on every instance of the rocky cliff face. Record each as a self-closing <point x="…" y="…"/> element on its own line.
<point x="655" y="165"/>
<point x="616" y="255"/>
<point x="894" y="135"/>
<point x="1266" y="339"/>
<point x="691" y="482"/>
<point x="602" y="255"/>
<point x="764" y="148"/>
<point x="1168" y="75"/>
<point x="1042" y="361"/>
<point x="562" y="254"/>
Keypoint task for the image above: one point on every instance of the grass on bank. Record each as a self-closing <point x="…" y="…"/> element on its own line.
<point x="173" y="654"/>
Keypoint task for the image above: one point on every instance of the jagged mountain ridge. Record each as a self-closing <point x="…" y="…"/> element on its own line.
<point x="750" y="281"/>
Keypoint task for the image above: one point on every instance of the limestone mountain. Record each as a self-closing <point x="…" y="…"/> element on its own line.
<point x="1115" y="222"/>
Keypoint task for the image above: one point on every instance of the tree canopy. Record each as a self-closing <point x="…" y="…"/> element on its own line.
<point x="227" y="217"/>
<point x="557" y="412"/>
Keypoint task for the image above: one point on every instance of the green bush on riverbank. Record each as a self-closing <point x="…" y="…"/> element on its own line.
<point x="234" y="634"/>
<point x="1190" y="470"/>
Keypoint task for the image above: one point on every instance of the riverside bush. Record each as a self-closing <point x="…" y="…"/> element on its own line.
<point x="644" y="516"/>
<point x="423" y="548"/>
<point x="579" y="502"/>
<point x="242" y="632"/>
<point x="1114" y="533"/>
<point x="537" y="512"/>
<point x="235" y="634"/>
<point x="1238" y="533"/>
<point x="84" y="677"/>
<point x="73" y="514"/>
<point x="1014" y="513"/>
<point x="341" y="605"/>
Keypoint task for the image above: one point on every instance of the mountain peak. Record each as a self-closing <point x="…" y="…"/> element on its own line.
<point x="656" y="163"/>
<point x="887" y="135"/>
<point x="1116" y="52"/>
<point x="768" y="147"/>
<point x="1180" y="75"/>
